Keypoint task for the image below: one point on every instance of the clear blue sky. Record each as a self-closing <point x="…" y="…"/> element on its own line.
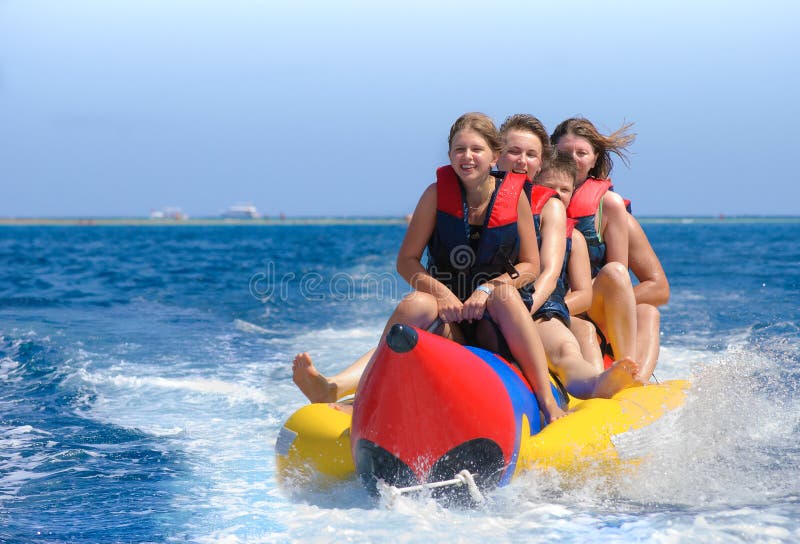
<point x="114" y="108"/>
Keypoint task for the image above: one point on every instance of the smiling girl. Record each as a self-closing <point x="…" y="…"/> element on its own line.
<point x="479" y="234"/>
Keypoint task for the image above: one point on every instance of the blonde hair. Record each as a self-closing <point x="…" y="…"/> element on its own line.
<point x="480" y="123"/>
<point x="617" y="143"/>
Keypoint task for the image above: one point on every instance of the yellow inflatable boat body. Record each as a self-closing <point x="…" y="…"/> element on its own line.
<point x="314" y="443"/>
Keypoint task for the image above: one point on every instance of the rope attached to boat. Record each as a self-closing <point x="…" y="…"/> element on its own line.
<point x="462" y="478"/>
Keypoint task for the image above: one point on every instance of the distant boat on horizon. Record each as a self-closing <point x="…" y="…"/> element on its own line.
<point x="241" y="211"/>
<point x="169" y="212"/>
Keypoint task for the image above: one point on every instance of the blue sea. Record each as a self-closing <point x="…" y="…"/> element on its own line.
<point x="145" y="372"/>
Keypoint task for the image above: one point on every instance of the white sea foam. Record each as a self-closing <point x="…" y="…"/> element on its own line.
<point x="232" y="391"/>
<point x="252" y="328"/>
<point x="723" y="445"/>
<point x="340" y="335"/>
<point x="225" y="419"/>
<point x="17" y="465"/>
<point x="7" y="367"/>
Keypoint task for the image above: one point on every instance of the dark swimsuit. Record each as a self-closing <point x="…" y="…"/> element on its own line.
<point x="470" y="330"/>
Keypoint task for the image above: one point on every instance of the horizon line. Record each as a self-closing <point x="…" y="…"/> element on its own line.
<point x="333" y="220"/>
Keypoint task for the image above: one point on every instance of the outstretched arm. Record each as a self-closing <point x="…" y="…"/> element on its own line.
<point x="653" y="287"/>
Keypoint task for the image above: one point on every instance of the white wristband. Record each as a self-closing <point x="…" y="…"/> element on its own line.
<point x="485" y="288"/>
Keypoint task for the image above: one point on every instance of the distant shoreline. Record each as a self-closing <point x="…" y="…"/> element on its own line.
<point x="295" y="221"/>
<point x="198" y="222"/>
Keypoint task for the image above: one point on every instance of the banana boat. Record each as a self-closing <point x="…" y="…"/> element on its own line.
<point x="431" y="413"/>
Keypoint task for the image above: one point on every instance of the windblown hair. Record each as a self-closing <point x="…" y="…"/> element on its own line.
<point x="527" y="123"/>
<point x="616" y="143"/>
<point x="480" y="123"/>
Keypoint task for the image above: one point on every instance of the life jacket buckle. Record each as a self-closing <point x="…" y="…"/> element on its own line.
<point x="512" y="271"/>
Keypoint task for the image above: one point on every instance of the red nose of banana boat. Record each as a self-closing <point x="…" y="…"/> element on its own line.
<point x="428" y="409"/>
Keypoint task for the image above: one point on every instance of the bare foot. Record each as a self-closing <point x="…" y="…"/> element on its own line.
<point x="314" y="385"/>
<point x="619" y="376"/>
<point x="552" y="412"/>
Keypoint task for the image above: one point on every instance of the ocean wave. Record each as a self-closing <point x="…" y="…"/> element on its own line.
<point x="231" y="391"/>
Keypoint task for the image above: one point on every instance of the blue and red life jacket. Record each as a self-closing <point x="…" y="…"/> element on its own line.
<point x="539" y="195"/>
<point x="451" y="258"/>
<point x="583" y="209"/>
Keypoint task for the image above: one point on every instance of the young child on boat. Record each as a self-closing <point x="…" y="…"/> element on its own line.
<point x="564" y="285"/>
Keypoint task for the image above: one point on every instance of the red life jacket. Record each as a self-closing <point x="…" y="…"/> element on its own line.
<point x="583" y="208"/>
<point x="539" y="195"/>
<point x="451" y="259"/>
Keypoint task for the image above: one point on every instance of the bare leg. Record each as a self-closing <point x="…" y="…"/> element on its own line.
<point x="586" y="335"/>
<point x="509" y="312"/>
<point x="648" y="340"/>
<point x="613" y="309"/>
<point x="417" y="309"/>
<point x="564" y="355"/>
<point x="579" y="376"/>
<point x="319" y="388"/>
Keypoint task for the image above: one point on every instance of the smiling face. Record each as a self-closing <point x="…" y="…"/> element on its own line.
<point x="522" y="153"/>
<point x="560" y="181"/>
<point x="581" y="150"/>
<point x="471" y="157"/>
